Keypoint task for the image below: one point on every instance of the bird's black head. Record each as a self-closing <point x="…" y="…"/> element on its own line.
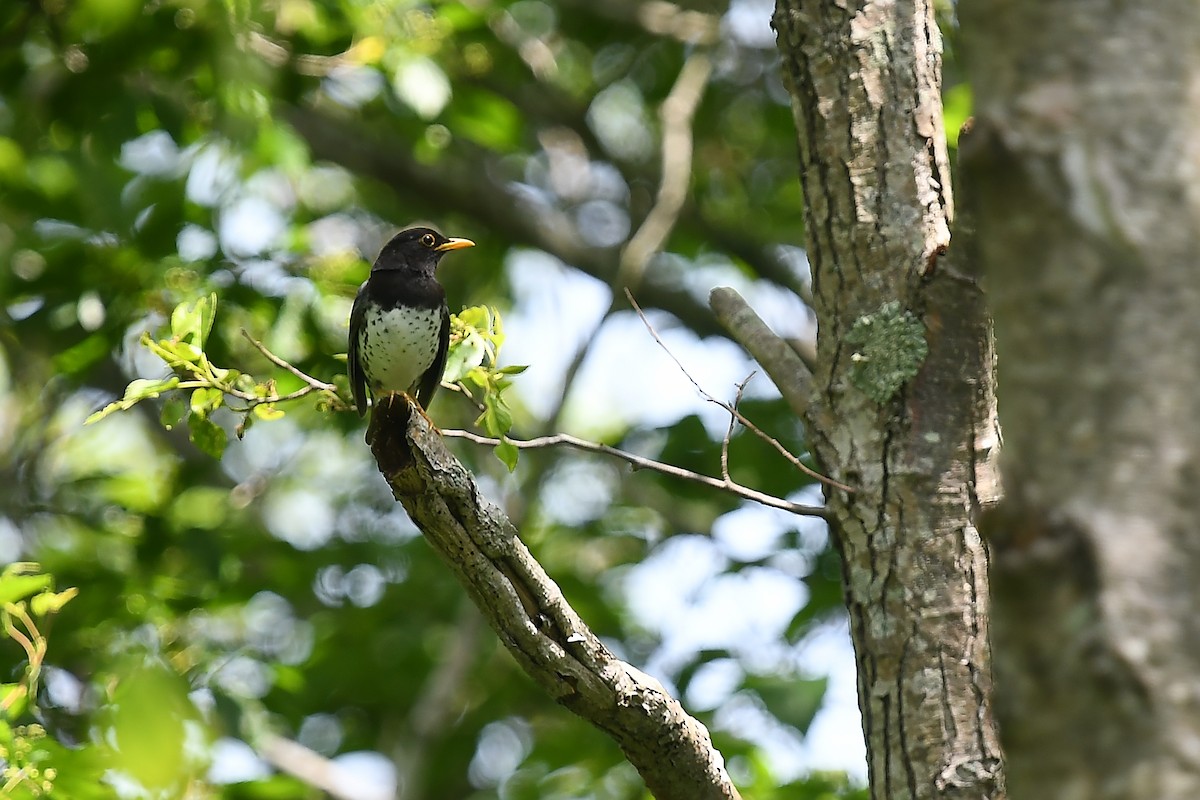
<point x="417" y="251"/>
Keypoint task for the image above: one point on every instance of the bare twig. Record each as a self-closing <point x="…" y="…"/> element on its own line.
<point x="783" y="451"/>
<point x="311" y="384"/>
<point x="737" y="401"/>
<point x="279" y="362"/>
<point x="640" y="462"/>
<point x="465" y="392"/>
<point x="784" y="366"/>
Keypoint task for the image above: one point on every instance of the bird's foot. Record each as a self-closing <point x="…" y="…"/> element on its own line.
<point x="414" y="406"/>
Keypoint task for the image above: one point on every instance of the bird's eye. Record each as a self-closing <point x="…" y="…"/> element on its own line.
<point x="428" y="240"/>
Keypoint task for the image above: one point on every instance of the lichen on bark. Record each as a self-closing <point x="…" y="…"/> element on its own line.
<point x="889" y="348"/>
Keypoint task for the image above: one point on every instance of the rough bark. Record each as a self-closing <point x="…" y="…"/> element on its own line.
<point x="1087" y="168"/>
<point x="670" y="749"/>
<point x="865" y="80"/>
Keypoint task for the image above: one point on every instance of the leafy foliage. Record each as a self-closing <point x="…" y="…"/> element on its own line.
<point x="27" y="601"/>
<point x="476" y="337"/>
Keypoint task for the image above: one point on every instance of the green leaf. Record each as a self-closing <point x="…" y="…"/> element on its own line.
<point x="207" y="435"/>
<point x="464" y="356"/>
<point x="185" y="321"/>
<point x="143" y="388"/>
<point x="267" y="412"/>
<point x="514" y="369"/>
<point x="476" y="317"/>
<point x="51" y="602"/>
<point x="18" y="587"/>
<point x="206" y="309"/>
<point x="496" y="418"/>
<point x="206" y="400"/>
<point x="508" y="453"/>
<point x="172" y="412"/>
<point x="478" y="376"/>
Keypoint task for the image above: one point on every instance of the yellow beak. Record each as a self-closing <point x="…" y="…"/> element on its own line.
<point x="454" y="244"/>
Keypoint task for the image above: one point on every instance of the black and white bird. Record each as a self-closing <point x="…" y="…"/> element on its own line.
<point x="400" y="324"/>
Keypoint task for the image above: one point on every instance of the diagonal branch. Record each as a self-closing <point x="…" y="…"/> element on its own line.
<point x="784" y="366"/>
<point x="676" y="112"/>
<point x="473" y="191"/>
<point x="671" y="750"/>
<point x="311" y="767"/>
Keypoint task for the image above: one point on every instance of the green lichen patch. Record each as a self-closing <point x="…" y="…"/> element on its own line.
<point x="889" y="347"/>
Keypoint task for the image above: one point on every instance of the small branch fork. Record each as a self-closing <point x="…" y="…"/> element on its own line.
<point x="732" y="409"/>
<point x="311" y="384"/>
<point x="737" y="401"/>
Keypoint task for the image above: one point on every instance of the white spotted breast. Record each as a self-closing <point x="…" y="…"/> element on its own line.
<point x="397" y="346"/>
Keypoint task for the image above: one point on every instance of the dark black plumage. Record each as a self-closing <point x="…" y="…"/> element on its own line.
<point x="400" y="324"/>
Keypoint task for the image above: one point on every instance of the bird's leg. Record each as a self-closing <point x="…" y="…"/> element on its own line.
<point x="417" y="407"/>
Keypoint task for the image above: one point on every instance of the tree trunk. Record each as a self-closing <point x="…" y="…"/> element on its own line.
<point x="1086" y="163"/>
<point x="903" y="406"/>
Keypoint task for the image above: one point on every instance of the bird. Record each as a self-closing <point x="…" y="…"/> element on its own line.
<point x="400" y="323"/>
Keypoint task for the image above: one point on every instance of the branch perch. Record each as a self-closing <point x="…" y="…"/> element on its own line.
<point x="671" y="750"/>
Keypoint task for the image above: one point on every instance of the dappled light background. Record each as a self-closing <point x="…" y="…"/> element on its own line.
<point x="151" y="153"/>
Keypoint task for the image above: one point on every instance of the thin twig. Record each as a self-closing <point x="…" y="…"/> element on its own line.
<point x="737" y="401"/>
<point x="458" y="387"/>
<point x="783" y="451"/>
<point x="784" y="364"/>
<point x="279" y="362"/>
<point x="311" y="384"/>
<point x="640" y="462"/>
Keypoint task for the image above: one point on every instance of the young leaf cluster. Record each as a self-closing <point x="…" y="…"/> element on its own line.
<point x="476" y="335"/>
<point x="207" y="386"/>
<point x="197" y="388"/>
<point x="27" y="600"/>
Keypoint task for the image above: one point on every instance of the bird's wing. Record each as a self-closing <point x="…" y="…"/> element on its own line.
<point x="358" y="381"/>
<point x="432" y="378"/>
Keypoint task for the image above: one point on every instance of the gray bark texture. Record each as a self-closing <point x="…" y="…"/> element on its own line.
<point x="1086" y="165"/>
<point x="671" y="750"/>
<point x="901" y="407"/>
